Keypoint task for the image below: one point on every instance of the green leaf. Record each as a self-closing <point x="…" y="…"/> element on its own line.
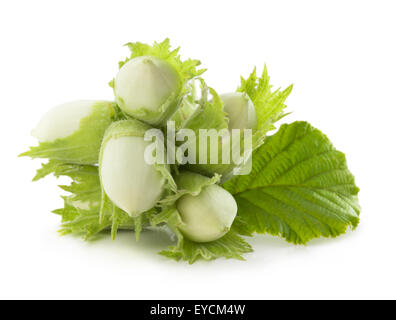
<point x="85" y="185"/>
<point x="300" y="187"/>
<point x="229" y="246"/>
<point x="209" y="114"/>
<point x="82" y="222"/>
<point x="269" y="104"/>
<point x="47" y="168"/>
<point x="80" y="214"/>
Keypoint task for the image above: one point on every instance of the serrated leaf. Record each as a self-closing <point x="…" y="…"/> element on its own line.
<point x="47" y="168"/>
<point x="300" y="187"/>
<point x="187" y="69"/>
<point x="269" y="104"/>
<point x="80" y="214"/>
<point x="209" y="114"/>
<point x="85" y="185"/>
<point x="229" y="246"/>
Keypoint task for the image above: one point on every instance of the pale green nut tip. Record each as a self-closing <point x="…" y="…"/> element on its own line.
<point x="62" y="120"/>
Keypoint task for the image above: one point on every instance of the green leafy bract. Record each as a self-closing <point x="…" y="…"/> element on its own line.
<point x="188" y="106"/>
<point x="116" y="218"/>
<point x="80" y="214"/>
<point x="83" y="145"/>
<point x="81" y="211"/>
<point x="229" y="246"/>
<point x="269" y="104"/>
<point x="300" y="187"/>
<point x="188" y="183"/>
<point x="162" y="50"/>
<point x="209" y="114"/>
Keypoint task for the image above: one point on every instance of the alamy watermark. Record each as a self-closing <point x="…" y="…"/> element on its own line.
<point x="207" y="146"/>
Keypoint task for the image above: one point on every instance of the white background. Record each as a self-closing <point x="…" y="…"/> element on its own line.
<point x="341" y="57"/>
